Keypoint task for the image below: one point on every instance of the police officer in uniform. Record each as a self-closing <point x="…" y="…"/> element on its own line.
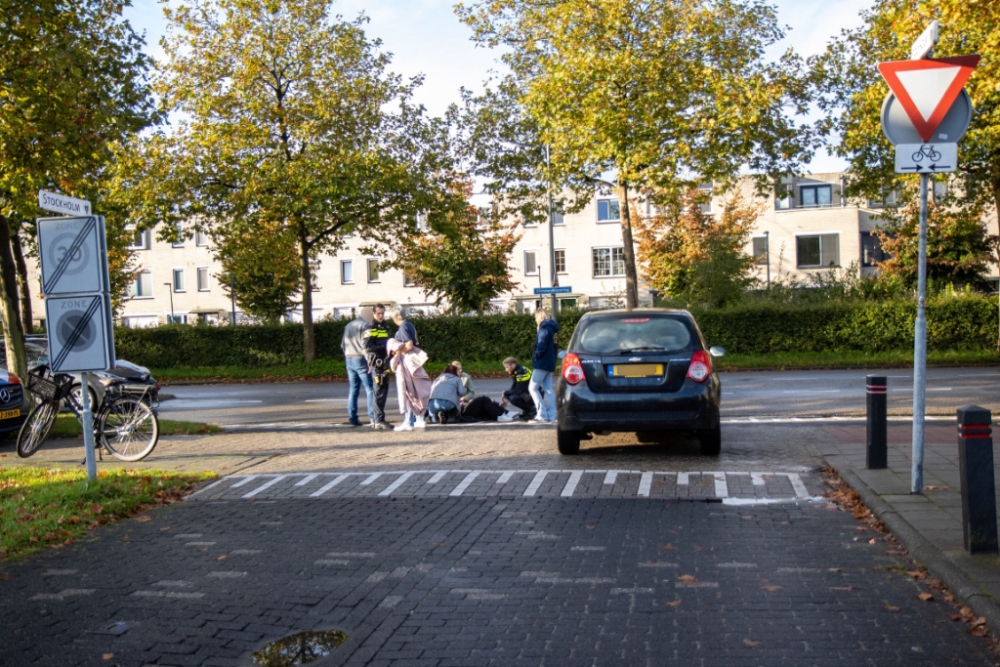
<point x="375" y="339"/>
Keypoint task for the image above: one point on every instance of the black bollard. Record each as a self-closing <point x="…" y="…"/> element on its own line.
<point x="878" y="437"/>
<point x="975" y="462"/>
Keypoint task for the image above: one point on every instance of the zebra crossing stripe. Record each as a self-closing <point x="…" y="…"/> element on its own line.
<point x="505" y="477"/>
<point x="308" y="478"/>
<point x="536" y="482"/>
<point x="398" y="483"/>
<point x="329" y="485"/>
<point x="574" y="479"/>
<point x="371" y="478"/>
<point x="800" y="488"/>
<point x="721" y="488"/>
<point x="265" y="486"/>
<point x="464" y="484"/>
<point x="438" y="476"/>
<point x="610" y="476"/>
<point x="645" y="483"/>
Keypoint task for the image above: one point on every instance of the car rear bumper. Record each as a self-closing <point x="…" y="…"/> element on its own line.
<point x="694" y="406"/>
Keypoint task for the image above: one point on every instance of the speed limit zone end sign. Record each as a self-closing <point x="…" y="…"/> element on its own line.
<point x="80" y="335"/>
<point x="72" y="254"/>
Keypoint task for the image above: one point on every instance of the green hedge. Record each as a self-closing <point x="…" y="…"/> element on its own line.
<point x="954" y="323"/>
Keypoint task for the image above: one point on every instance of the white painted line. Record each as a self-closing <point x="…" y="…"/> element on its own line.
<point x="939" y="388"/>
<point x="814" y="391"/>
<point x="246" y="480"/>
<point x="536" y="482"/>
<point x="464" y="484"/>
<point x="265" y="486"/>
<point x="721" y="488"/>
<point x="610" y="477"/>
<point x="683" y="478"/>
<point x="438" y="476"/>
<point x="308" y="478"/>
<point x="505" y="477"/>
<point x="370" y="478"/>
<point x="757" y="478"/>
<point x="206" y="488"/>
<point x="326" y="400"/>
<point x="800" y="488"/>
<point x="574" y="479"/>
<point x="645" y="483"/>
<point x="398" y="483"/>
<point x="329" y="485"/>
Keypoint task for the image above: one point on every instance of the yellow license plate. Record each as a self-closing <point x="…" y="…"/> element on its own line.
<point x="8" y="414"/>
<point x="636" y="370"/>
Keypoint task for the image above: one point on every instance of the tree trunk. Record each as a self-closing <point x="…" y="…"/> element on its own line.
<point x="27" y="321"/>
<point x="631" y="276"/>
<point x="17" y="360"/>
<point x="995" y="182"/>
<point x="308" y="332"/>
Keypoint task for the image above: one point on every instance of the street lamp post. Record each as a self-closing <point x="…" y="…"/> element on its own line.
<point x="232" y="297"/>
<point x="170" y="291"/>
<point x="767" y="254"/>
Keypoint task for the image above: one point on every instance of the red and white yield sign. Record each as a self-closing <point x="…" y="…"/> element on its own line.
<point x="928" y="88"/>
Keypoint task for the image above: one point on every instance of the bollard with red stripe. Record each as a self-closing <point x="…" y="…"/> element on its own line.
<point x="975" y="461"/>
<point x="876" y="457"/>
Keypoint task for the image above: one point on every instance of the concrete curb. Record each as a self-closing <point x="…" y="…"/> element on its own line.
<point x="939" y="565"/>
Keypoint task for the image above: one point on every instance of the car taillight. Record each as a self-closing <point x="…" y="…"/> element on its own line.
<point x="13" y="379"/>
<point x="572" y="371"/>
<point x="701" y="366"/>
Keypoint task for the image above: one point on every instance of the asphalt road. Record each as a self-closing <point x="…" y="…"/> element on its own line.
<point x="745" y="396"/>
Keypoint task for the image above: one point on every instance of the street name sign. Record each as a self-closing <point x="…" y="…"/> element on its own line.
<point x="923" y="44"/>
<point x="73" y="255"/>
<point x="928" y="88"/>
<point x="80" y="333"/>
<point x="57" y="203"/>
<point x="926" y="158"/>
<point x="553" y="290"/>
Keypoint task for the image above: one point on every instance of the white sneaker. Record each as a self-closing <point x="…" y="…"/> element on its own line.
<point x="420" y="423"/>
<point x="505" y="418"/>
<point x="402" y="427"/>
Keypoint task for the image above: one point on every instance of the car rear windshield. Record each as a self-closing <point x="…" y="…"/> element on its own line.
<point x="621" y="335"/>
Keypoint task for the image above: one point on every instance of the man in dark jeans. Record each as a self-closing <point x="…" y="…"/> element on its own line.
<point x="518" y="395"/>
<point x="376" y="338"/>
<point x="355" y="354"/>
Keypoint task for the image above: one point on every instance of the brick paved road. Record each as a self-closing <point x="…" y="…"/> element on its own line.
<point x="503" y="580"/>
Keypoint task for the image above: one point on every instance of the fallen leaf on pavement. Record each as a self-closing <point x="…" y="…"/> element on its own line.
<point x="143" y="519"/>
<point x="591" y="527"/>
<point x="833" y="569"/>
<point x="871" y="541"/>
<point x="686" y="578"/>
<point x="675" y="603"/>
<point x="107" y="656"/>
<point x="917" y="574"/>
<point x="978" y="622"/>
<point x="955" y="617"/>
<point x="892" y="607"/>
<point x="668" y="547"/>
<point x="935" y="488"/>
<point x="926" y="597"/>
<point x="966" y="613"/>
<point x="979" y="631"/>
<point x="222" y="557"/>
<point x="751" y="643"/>
<point x="770" y="588"/>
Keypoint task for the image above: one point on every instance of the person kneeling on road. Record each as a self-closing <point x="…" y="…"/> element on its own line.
<point x="518" y="395"/>
<point x="446" y="396"/>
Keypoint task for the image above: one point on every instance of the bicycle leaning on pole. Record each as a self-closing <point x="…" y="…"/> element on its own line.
<point x="125" y="426"/>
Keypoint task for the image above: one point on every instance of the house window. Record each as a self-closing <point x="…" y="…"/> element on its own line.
<point x="530" y="263"/>
<point x="705" y="190"/>
<point x="346" y="271"/>
<point x="177" y="319"/>
<point x="560" y="257"/>
<point x="816" y="195"/>
<point x="887" y="200"/>
<point x="558" y="218"/>
<point x="871" y="250"/>
<point x="817" y="251"/>
<point x="760" y="249"/>
<point x="408" y="280"/>
<point x="608" y="210"/>
<point x="784" y="197"/>
<point x="202" y="278"/>
<point x="567" y="303"/>
<point x="142" y="286"/>
<point x="179" y="243"/>
<point x="609" y="262"/>
<point x="373" y="274"/>
<point x="201" y="239"/>
<point x="178" y="280"/>
<point x="140" y="239"/>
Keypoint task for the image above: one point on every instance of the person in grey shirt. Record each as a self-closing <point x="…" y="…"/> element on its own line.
<point x="358" y="375"/>
<point x="446" y="395"/>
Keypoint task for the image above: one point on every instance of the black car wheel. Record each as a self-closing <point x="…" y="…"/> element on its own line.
<point x="568" y="441"/>
<point x="710" y="440"/>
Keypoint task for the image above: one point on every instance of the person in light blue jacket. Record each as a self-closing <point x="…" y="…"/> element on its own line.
<point x="446" y="395"/>
<point x="543" y="364"/>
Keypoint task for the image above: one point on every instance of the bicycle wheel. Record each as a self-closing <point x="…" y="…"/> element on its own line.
<point x="36" y="428"/>
<point x="129" y="429"/>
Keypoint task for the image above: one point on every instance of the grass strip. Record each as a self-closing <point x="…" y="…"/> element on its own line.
<point x="67" y="426"/>
<point x="50" y="507"/>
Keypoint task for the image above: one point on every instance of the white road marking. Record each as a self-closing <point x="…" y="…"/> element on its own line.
<point x="574" y="479"/>
<point x="814" y="391"/>
<point x="265" y="486"/>
<point x="246" y="480"/>
<point x="206" y="488"/>
<point x="329" y="485"/>
<point x="308" y="478"/>
<point x="326" y="400"/>
<point x="438" y="476"/>
<point x="940" y="388"/>
<point x="370" y="478"/>
<point x="610" y="477"/>
<point x="800" y="488"/>
<point x="683" y="478"/>
<point x="398" y="483"/>
<point x="757" y="478"/>
<point x="645" y="483"/>
<point x="721" y="488"/>
<point x="505" y="477"/>
<point x="464" y="484"/>
<point x="536" y="482"/>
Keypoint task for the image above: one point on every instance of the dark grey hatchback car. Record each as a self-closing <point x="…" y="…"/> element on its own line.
<point x="646" y="370"/>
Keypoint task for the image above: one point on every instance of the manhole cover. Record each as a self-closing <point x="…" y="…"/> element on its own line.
<point x="299" y="649"/>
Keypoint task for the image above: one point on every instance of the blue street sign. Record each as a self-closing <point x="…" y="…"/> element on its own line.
<point x="553" y="290"/>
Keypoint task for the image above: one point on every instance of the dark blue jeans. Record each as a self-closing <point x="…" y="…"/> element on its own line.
<point x="439" y="405"/>
<point x="358" y="375"/>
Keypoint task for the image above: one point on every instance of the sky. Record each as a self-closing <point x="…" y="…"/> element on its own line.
<point x="425" y="37"/>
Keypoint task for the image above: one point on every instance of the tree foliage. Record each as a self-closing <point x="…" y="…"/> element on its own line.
<point x="73" y="83"/>
<point x="290" y="124"/>
<point x="641" y="97"/>
<point x="699" y="258"/>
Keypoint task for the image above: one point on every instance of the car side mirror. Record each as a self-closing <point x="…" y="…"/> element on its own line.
<point x="717" y="351"/>
<point x="562" y="354"/>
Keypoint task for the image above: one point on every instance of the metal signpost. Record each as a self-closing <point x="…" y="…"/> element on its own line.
<point x="73" y="255"/>
<point x="924" y="116"/>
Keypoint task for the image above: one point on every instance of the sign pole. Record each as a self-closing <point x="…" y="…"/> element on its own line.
<point x="88" y="427"/>
<point x="920" y="349"/>
<point x="552" y="249"/>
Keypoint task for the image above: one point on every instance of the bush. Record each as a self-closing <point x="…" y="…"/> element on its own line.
<point x="954" y="322"/>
